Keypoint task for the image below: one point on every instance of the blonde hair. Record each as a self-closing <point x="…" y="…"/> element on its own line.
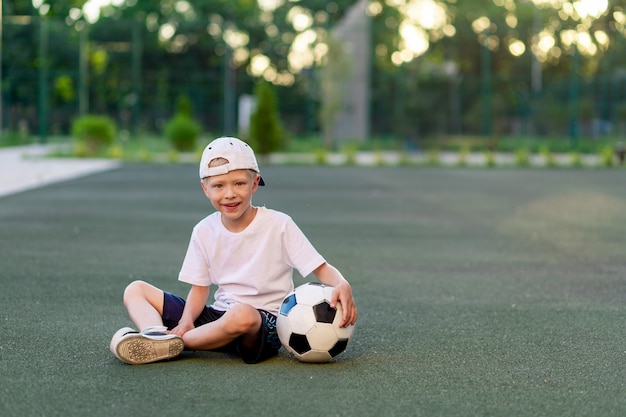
<point x="218" y="162"/>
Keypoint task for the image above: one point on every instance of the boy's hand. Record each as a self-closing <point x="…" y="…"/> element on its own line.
<point x="196" y="300"/>
<point x="329" y="275"/>
<point x="343" y="294"/>
<point x="182" y="328"/>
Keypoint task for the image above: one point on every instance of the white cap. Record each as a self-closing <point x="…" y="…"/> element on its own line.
<point x="238" y="154"/>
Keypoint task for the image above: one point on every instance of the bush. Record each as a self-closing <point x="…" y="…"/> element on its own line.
<point x="606" y="156"/>
<point x="92" y="134"/>
<point x="490" y="159"/>
<point x="464" y="153"/>
<point x="350" y="150"/>
<point x="321" y="156"/>
<point x="433" y="158"/>
<point x="522" y="157"/>
<point x="548" y="157"/>
<point x="182" y="132"/>
<point x="575" y="159"/>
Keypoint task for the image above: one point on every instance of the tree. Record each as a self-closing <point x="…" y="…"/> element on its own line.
<point x="266" y="131"/>
<point x="188" y="47"/>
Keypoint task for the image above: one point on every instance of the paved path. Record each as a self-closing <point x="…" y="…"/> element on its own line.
<point x="26" y="167"/>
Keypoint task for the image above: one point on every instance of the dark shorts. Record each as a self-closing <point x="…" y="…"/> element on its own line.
<point x="268" y="344"/>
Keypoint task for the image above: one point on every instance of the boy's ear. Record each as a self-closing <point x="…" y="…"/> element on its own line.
<point x="257" y="180"/>
<point x="204" y="188"/>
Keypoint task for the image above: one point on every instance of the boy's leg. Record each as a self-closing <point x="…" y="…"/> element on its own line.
<point x="242" y="321"/>
<point x="267" y="344"/>
<point x="144" y="303"/>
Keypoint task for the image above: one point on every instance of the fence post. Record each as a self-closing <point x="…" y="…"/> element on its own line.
<point x="83" y="70"/>
<point x="574" y="98"/>
<point x="486" y="89"/>
<point x="43" y="80"/>
<point x="137" y="47"/>
<point x="229" y="93"/>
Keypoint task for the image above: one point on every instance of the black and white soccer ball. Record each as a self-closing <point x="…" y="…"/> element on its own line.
<point x="308" y="327"/>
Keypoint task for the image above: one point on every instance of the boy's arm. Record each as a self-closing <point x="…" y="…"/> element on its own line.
<point x="196" y="301"/>
<point x="329" y="275"/>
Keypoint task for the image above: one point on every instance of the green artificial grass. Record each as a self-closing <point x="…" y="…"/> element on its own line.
<point x="481" y="293"/>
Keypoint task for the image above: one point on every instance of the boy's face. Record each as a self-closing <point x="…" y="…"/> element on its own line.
<point x="231" y="195"/>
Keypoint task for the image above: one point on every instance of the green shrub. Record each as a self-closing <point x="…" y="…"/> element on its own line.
<point x="606" y="156"/>
<point x="182" y="132"/>
<point x="522" y="157"/>
<point x="464" y="152"/>
<point x="173" y="156"/>
<point x="321" y="156"/>
<point x="144" y="155"/>
<point x="92" y="134"/>
<point x="575" y="159"/>
<point x="350" y="150"/>
<point x="490" y="159"/>
<point x="548" y="157"/>
<point x="115" y="152"/>
<point x="405" y="159"/>
<point x="433" y="158"/>
<point x="14" y="139"/>
<point x="379" y="158"/>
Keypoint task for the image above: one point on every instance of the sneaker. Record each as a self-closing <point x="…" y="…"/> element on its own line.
<point x="150" y="345"/>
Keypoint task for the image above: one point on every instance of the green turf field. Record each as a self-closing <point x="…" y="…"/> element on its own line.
<point x="481" y="293"/>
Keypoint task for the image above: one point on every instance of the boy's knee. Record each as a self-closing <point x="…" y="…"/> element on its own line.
<point x="247" y="317"/>
<point x="134" y="289"/>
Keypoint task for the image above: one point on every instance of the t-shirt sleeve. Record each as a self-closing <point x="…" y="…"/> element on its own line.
<point x="195" y="268"/>
<point x="300" y="251"/>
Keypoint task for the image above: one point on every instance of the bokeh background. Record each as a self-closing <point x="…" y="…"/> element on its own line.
<point x="404" y="72"/>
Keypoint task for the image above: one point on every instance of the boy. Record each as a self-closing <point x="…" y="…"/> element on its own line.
<point x="248" y="252"/>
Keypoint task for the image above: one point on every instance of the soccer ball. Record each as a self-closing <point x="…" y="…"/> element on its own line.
<point x="308" y="327"/>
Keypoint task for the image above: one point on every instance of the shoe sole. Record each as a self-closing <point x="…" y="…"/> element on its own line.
<point x="139" y="349"/>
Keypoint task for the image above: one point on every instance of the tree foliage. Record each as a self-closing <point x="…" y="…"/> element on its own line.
<point x="419" y="48"/>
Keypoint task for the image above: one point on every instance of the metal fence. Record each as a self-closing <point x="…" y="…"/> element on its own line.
<point x="51" y="73"/>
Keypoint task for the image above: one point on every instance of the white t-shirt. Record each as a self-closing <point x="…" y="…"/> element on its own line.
<point x="254" y="266"/>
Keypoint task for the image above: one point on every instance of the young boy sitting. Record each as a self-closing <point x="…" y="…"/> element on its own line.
<point x="248" y="252"/>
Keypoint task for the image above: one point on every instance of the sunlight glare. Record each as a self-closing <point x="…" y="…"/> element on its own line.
<point x="91" y="8"/>
<point x="258" y="64"/>
<point x="270" y="5"/>
<point x="517" y="47"/>
<point x="591" y="8"/>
